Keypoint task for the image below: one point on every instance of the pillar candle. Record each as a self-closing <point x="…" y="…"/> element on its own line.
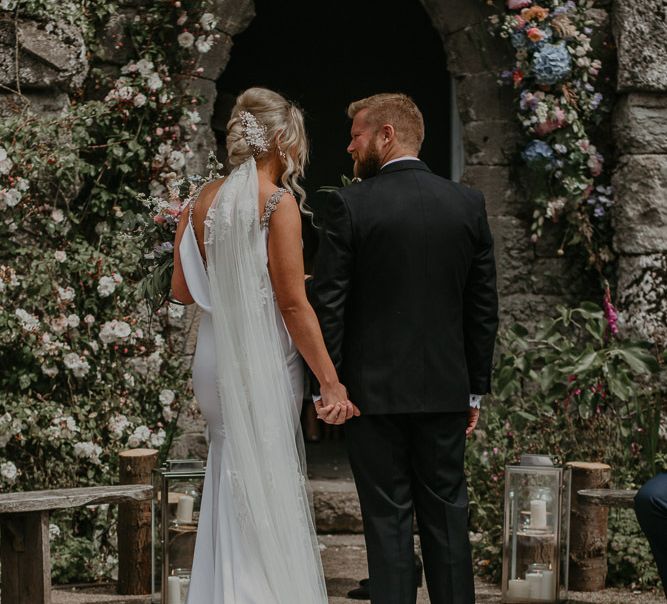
<point x="518" y="588"/>
<point x="548" y="585"/>
<point x="184" y="508"/>
<point x="173" y="590"/>
<point x="185" y="586"/>
<point x="538" y="514"/>
<point x="535" y="582"/>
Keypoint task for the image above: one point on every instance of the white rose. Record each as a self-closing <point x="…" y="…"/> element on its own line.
<point x="154" y="82"/>
<point x="168" y="414"/>
<point x="208" y="22"/>
<point x="73" y="321"/>
<point x="125" y="93"/>
<point x="59" y="324"/>
<point x="28" y="322"/>
<point x="140" y="100"/>
<point x="54" y="531"/>
<point x="3" y="154"/>
<point x="50" y="370"/>
<point x="145" y="67"/>
<point x="167" y="397"/>
<point x="22" y="184"/>
<point x="57" y="216"/>
<point x="176" y="160"/>
<point x="11" y="197"/>
<point x="106" y="286"/>
<point x="66" y="294"/>
<point x="157" y="438"/>
<point x="89" y="320"/>
<point x="186" y="39"/>
<point x="8" y="471"/>
<point x="142" y="432"/>
<point x="204" y="44"/>
<point x="6" y="165"/>
<point x="60" y="256"/>
<point x="122" y="330"/>
<point x="133" y="442"/>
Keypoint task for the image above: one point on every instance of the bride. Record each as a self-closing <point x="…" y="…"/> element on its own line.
<point x="238" y="256"/>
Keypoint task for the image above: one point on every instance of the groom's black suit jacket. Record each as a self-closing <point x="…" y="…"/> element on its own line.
<point x="404" y="287"/>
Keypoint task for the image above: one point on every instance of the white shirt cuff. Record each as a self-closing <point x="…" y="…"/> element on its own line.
<point x="317" y="397"/>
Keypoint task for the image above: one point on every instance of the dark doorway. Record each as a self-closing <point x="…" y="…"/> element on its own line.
<point x="325" y="55"/>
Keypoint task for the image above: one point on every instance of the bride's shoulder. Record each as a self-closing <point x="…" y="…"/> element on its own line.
<point x="202" y="200"/>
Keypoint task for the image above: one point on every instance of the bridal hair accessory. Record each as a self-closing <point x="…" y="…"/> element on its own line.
<point x="283" y="155"/>
<point x="254" y="133"/>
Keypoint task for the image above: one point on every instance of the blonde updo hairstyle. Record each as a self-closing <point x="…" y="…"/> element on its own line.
<point x="285" y="131"/>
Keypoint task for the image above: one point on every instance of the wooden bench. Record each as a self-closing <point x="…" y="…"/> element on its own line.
<point x="610" y="498"/>
<point x="24" y="539"/>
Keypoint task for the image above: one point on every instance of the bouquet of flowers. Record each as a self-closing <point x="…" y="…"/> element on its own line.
<point x="156" y="230"/>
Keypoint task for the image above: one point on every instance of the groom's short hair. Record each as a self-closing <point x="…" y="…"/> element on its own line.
<point x="396" y="109"/>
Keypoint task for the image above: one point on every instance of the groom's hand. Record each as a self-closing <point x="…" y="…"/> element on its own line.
<point x="473" y="418"/>
<point x="334" y="407"/>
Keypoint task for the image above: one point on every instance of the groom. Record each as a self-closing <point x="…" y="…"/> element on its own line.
<point x="405" y="290"/>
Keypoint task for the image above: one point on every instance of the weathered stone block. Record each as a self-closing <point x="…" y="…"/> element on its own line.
<point x="474" y="50"/>
<point x="640" y="123"/>
<point x="640" y="216"/>
<point x="215" y="60"/>
<point x="642" y="283"/>
<point x="41" y="102"/>
<point x="336" y="506"/>
<point x="492" y="143"/>
<point x="499" y="190"/>
<point x="449" y="16"/>
<point x="480" y="97"/>
<point x="48" y="58"/>
<point x="640" y="29"/>
<point x="233" y="17"/>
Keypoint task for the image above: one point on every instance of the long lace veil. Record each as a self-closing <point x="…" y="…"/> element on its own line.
<point x="263" y="453"/>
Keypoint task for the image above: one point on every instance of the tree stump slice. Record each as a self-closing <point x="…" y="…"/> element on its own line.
<point x="134" y="525"/>
<point x="588" y="528"/>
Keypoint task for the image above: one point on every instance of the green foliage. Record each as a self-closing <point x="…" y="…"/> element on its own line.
<point x="569" y="389"/>
<point x="88" y="368"/>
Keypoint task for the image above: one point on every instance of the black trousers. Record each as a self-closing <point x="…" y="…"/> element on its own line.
<point x="651" y="510"/>
<point x="405" y="464"/>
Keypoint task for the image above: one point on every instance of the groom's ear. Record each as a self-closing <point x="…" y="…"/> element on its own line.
<point x="388" y="133"/>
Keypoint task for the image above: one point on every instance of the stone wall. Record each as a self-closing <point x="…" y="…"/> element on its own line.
<point x="640" y="180"/>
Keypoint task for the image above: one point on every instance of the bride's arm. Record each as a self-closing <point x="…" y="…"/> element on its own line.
<point x="179" y="287"/>
<point x="287" y="276"/>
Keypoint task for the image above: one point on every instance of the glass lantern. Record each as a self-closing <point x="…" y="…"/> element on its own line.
<point x="536" y="531"/>
<point x="178" y="487"/>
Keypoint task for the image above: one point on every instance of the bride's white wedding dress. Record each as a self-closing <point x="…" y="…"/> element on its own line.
<point x="255" y="542"/>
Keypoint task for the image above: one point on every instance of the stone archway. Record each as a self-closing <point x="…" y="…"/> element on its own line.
<point x="531" y="279"/>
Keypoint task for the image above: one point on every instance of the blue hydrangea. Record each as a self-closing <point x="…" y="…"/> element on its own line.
<point x="537" y="151"/>
<point x="551" y="63"/>
<point x="519" y="39"/>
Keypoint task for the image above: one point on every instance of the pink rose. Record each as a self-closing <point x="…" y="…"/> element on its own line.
<point x="535" y="34"/>
<point x="517" y="4"/>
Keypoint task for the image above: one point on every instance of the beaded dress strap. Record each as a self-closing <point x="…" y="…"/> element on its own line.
<point x="193" y="201"/>
<point x="271" y="206"/>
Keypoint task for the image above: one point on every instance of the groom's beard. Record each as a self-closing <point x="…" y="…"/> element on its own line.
<point x="369" y="165"/>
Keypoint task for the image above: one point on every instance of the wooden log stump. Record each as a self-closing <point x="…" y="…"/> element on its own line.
<point x="588" y="528"/>
<point x="134" y="525"/>
<point x="25" y="558"/>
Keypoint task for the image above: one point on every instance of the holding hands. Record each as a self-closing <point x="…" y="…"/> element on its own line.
<point x="334" y="407"/>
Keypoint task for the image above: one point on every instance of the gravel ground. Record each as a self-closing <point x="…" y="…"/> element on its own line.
<point x="344" y="559"/>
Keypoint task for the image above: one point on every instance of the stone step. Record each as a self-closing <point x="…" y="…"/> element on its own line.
<point x="336" y="506"/>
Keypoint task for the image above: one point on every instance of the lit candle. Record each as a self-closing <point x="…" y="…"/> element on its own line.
<point x="184" y="508"/>
<point x="173" y="590"/>
<point x="538" y="514"/>
<point x="548" y="585"/>
<point x="518" y="588"/>
<point x="185" y="586"/>
<point x="534" y="581"/>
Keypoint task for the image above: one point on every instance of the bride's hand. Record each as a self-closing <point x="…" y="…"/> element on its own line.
<point x="334" y="407"/>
